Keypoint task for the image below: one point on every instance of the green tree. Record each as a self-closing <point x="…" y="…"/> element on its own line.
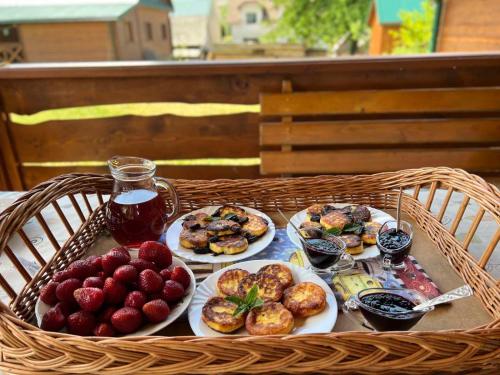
<point x="317" y="22"/>
<point x="415" y="34"/>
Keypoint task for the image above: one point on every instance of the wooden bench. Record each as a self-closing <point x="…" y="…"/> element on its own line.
<point x="366" y="131"/>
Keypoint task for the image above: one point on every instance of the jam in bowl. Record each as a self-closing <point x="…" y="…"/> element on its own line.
<point x="388" y="309"/>
<point x="327" y="254"/>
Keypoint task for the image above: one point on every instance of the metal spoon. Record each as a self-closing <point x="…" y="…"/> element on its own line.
<point x="293" y="225"/>
<point x="398" y="211"/>
<point x="462" y="292"/>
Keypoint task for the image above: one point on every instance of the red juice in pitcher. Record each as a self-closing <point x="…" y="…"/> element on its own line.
<point x="136" y="216"/>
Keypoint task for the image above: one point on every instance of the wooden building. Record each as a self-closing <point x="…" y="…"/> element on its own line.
<point x="467" y="25"/>
<point x="195" y="28"/>
<point x="86" y="30"/>
<point x="384" y="17"/>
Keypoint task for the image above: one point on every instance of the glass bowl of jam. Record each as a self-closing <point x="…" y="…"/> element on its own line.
<point x="388" y="309"/>
<point x="394" y="244"/>
<point x="327" y="254"/>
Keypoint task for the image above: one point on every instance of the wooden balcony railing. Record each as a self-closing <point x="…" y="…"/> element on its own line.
<point x="31" y="154"/>
<point x="11" y="52"/>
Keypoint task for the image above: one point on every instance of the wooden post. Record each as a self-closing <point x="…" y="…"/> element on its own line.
<point x="10" y="177"/>
<point x="286" y="88"/>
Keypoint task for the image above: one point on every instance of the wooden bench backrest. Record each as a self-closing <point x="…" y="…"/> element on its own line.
<point x="367" y="131"/>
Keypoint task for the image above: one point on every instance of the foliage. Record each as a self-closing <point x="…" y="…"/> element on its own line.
<point x="224" y="23"/>
<point x="321" y="22"/>
<point x="415" y="33"/>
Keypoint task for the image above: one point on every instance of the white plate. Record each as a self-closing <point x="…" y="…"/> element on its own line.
<point x="173" y="232"/>
<point x="320" y="323"/>
<point x="369" y="252"/>
<point x="148" y="329"/>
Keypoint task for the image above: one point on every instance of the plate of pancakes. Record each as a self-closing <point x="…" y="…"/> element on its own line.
<point x="356" y="225"/>
<point x="220" y="234"/>
<point x="296" y="301"/>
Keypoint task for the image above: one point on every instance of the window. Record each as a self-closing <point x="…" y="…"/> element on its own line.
<point x="251" y="18"/>
<point x="130" y="31"/>
<point x="164" y="33"/>
<point x="149" y="31"/>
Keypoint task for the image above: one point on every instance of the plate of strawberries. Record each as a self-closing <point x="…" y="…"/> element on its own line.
<point x="120" y="293"/>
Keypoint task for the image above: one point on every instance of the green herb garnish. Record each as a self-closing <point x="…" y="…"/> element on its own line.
<point x="334" y="231"/>
<point x="250" y="302"/>
<point x="354" y="228"/>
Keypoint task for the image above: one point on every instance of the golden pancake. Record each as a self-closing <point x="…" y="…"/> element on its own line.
<point x="270" y="319"/>
<point x="313" y="213"/>
<point x="223" y="228"/>
<point x="217" y="313"/>
<point x="353" y="243"/>
<point x="305" y="299"/>
<point x="281" y="271"/>
<point x="230" y="209"/>
<point x="334" y="220"/>
<point x="233" y="244"/>
<point x="194" y="239"/>
<point x="311" y="229"/>
<point x="270" y="287"/>
<point x="195" y="221"/>
<point x="256" y="226"/>
<point x="228" y="282"/>
<point x="369" y="235"/>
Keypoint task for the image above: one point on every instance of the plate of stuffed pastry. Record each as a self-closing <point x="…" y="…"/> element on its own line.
<point x="356" y="225"/>
<point x="293" y="300"/>
<point x="219" y="234"/>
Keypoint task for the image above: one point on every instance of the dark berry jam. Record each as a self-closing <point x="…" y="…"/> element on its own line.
<point x="394" y="244"/>
<point x="389" y="312"/>
<point x="322" y="253"/>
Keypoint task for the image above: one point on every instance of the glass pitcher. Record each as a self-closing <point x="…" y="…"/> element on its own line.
<point x="136" y="212"/>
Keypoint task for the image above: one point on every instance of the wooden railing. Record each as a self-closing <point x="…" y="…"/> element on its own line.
<point x="11" y="52"/>
<point x="30" y="88"/>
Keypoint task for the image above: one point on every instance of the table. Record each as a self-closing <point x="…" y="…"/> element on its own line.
<point x="470" y="311"/>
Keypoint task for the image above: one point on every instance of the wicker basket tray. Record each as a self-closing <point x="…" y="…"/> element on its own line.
<point x="25" y="349"/>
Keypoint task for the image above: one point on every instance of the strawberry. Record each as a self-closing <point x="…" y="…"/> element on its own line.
<point x="79" y="269"/>
<point x="53" y="320"/>
<point x="125" y="274"/>
<point x="123" y="250"/>
<point x="126" y="320"/>
<point x="142" y="264"/>
<point x="156" y="252"/>
<point x="95" y="263"/>
<point x="81" y="323"/>
<point x="67" y="308"/>
<point x="112" y="260"/>
<point x="93" y="282"/>
<point x="149" y="281"/>
<point x="156" y="311"/>
<point x="135" y="299"/>
<point x="60" y="276"/>
<point x="64" y="290"/>
<point x="48" y="293"/>
<point x="180" y="275"/>
<point x="89" y="299"/>
<point x="104" y="329"/>
<point x="166" y="274"/>
<point x="114" y="291"/>
<point x="105" y="315"/>
<point x="172" y="291"/>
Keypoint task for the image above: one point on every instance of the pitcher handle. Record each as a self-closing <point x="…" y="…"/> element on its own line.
<point x="167" y="185"/>
<point x="347" y="309"/>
